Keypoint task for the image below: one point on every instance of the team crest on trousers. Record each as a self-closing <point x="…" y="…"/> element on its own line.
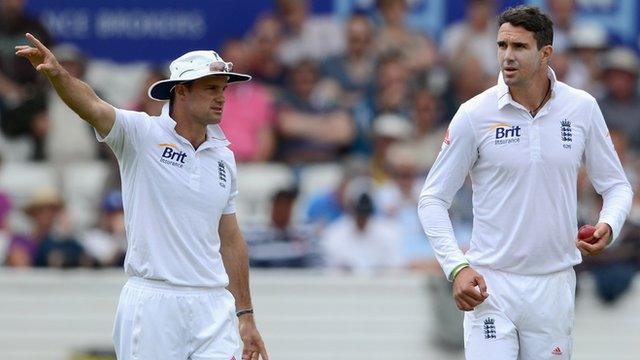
<point x="489" y="328"/>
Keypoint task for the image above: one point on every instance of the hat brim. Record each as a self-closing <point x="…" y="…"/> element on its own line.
<point x="161" y="90"/>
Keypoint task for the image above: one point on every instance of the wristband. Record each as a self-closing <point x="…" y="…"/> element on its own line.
<point x="244" y="312"/>
<point x="457" y="269"/>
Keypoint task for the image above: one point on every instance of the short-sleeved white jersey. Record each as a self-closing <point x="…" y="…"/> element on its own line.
<point x="524" y="173"/>
<point x="173" y="197"/>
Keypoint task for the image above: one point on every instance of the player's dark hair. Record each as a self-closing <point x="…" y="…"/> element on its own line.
<point x="531" y="19"/>
<point x="188" y="84"/>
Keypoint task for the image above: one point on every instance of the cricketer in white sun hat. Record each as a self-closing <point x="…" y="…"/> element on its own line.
<point x="191" y="66"/>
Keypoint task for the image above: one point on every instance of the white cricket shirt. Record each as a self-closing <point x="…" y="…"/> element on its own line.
<point x="524" y="173"/>
<point x="173" y="197"/>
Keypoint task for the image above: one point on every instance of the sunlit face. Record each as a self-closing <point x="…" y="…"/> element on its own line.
<point x="205" y="99"/>
<point x="519" y="56"/>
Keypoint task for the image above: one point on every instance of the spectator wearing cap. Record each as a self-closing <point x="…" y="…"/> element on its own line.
<point x="283" y="243"/>
<point x="361" y="241"/>
<point x="621" y="104"/>
<point x="388" y="129"/>
<point x="51" y="232"/>
<point x="311" y="128"/>
<point x="248" y="120"/>
<point x="107" y="243"/>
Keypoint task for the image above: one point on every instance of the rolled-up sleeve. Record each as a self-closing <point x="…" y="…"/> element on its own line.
<point x="458" y="154"/>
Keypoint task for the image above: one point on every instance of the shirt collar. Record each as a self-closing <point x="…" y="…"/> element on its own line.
<point x="504" y="97"/>
<point x="215" y="135"/>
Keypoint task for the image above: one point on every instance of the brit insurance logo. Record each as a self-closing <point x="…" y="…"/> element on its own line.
<point x="506" y="134"/>
<point x="173" y="156"/>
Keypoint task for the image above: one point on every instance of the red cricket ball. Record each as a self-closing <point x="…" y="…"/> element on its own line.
<point x="586" y="231"/>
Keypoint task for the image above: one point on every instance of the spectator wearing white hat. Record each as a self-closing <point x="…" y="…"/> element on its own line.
<point x="388" y="129"/>
<point x="587" y="42"/>
<point x="179" y="186"/>
<point x="621" y="104"/>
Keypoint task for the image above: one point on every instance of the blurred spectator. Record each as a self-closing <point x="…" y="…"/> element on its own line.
<point x="475" y="37"/>
<point x="17" y="77"/>
<point x="418" y="51"/>
<point x="388" y="129"/>
<point x="143" y="102"/>
<point x="397" y="201"/>
<point x="263" y="42"/>
<point x="50" y="242"/>
<point x="327" y="206"/>
<point x="249" y="111"/>
<point x="307" y="36"/>
<point x="22" y="101"/>
<point x="392" y="87"/>
<point x="562" y="14"/>
<point x="390" y="94"/>
<point x="14" y="249"/>
<point x="354" y="69"/>
<point x="64" y="124"/>
<point x="107" y="243"/>
<point x="311" y="127"/>
<point x="587" y="43"/>
<point x="428" y="134"/>
<point x="281" y="243"/>
<point x="359" y="240"/>
<point x="615" y="269"/>
<point x="621" y="104"/>
<point x="24" y="127"/>
<point x="466" y="82"/>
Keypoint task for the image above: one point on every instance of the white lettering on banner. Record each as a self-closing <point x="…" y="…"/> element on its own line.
<point x="602" y="5"/>
<point x="67" y="23"/>
<point x="149" y="24"/>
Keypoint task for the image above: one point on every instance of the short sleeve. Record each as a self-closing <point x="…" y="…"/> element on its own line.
<point x="127" y="132"/>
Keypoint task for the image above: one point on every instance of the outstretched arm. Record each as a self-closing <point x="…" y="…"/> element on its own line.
<point x="79" y="96"/>
<point x="236" y="261"/>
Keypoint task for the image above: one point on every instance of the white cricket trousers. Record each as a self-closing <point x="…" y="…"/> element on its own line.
<point x="159" y="321"/>
<point x="525" y="317"/>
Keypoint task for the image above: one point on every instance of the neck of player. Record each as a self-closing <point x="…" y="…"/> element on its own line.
<point x="535" y="95"/>
<point x="194" y="132"/>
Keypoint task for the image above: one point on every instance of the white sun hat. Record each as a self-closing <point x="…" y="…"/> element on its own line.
<point x="191" y="66"/>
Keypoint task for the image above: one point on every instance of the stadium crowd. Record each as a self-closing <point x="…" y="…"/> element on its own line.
<point x="368" y="94"/>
